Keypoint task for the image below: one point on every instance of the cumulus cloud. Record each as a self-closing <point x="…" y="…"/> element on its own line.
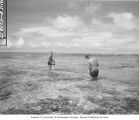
<point x="19" y="43"/>
<point x="61" y="26"/>
<point x="73" y="5"/>
<point x="32" y="44"/>
<point x="46" y="44"/>
<point x="61" y="44"/>
<point x="125" y="20"/>
<point x="98" y="23"/>
<point x="43" y="31"/>
<point x="76" y="45"/>
<point x="104" y="40"/>
<point x="87" y="37"/>
<point x="92" y="8"/>
<point x="9" y="43"/>
<point x="71" y="32"/>
<point x="66" y="22"/>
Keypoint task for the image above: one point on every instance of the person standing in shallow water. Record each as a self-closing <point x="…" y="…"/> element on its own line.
<point x="51" y="61"/>
<point x="93" y="66"/>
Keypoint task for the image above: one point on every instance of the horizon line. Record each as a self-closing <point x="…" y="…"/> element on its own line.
<point x="70" y="53"/>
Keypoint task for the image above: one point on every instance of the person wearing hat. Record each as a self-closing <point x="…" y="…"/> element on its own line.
<point x="93" y="66"/>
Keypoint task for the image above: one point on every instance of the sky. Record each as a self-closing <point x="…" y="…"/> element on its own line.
<point x="73" y="26"/>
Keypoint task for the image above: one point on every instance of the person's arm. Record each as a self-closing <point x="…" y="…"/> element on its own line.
<point x="89" y="67"/>
<point x="96" y="63"/>
<point x="53" y="61"/>
<point x="49" y="59"/>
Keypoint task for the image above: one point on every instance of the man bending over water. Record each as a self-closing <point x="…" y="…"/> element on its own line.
<point x="93" y="66"/>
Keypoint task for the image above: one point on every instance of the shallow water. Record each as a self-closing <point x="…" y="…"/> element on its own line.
<point x="26" y="79"/>
<point x="115" y="67"/>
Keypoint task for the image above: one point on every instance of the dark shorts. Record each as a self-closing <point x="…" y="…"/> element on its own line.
<point x="94" y="73"/>
<point x="49" y="63"/>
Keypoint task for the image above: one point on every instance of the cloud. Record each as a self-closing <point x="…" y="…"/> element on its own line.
<point x="46" y="44"/>
<point x="73" y="5"/>
<point x="92" y="8"/>
<point x="105" y="35"/>
<point x="60" y="26"/>
<point x="9" y="43"/>
<point x="76" y="45"/>
<point x="88" y="36"/>
<point x="60" y="44"/>
<point x="98" y="23"/>
<point x="66" y="22"/>
<point x="32" y="44"/>
<point x="71" y="33"/>
<point x="103" y="40"/>
<point x="42" y="31"/>
<point x="126" y="21"/>
<point x="12" y="43"/>
<point x="19" y="43"/>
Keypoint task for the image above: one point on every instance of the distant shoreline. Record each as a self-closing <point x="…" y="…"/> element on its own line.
<point x="58" y="53"/>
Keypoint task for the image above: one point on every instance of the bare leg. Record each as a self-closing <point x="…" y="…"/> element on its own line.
<point x="52" y="67"/>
